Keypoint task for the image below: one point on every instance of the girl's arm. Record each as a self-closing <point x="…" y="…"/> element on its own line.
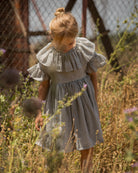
<point x="43" y="90"/>
<point x="42" y="93"/>
<point x="93" y="77"/>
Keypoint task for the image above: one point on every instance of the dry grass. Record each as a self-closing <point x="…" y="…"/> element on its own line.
<point x="117" y="154"/>
<point x="114" y="96"/>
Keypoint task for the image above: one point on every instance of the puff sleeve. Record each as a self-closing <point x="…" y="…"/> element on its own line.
<point x="38" y="73"/>
<point x="94" y="60"/>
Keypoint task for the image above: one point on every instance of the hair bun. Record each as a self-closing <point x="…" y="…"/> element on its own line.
<point x="60" y="11"/>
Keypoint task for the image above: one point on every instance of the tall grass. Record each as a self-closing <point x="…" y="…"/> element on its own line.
<point x="117" y="107"/>
<point x="116" y="154"/>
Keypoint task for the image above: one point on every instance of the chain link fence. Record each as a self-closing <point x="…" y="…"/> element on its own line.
<point x="24" y="25"/>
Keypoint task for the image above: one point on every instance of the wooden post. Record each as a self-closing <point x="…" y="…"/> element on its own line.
<point x="84" y="17"/>
<point x="21" y="26"/>
<point x="105" y="38"/>
<point x="15" y="26"/>
<point x="6" y="23"/>
<point x="70" y="5"/>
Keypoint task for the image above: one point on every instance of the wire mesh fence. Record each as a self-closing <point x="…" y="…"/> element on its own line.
<point x="24" y="25"/>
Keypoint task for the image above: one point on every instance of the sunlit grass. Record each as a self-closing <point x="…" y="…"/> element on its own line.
<point x="118" y="115"/>
<point x="116" y="154"/>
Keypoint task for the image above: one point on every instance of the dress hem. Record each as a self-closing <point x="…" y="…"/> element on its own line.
<point x="80" y="149"/>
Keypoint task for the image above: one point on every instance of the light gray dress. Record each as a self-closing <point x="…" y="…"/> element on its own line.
<point x="78" y="126"/>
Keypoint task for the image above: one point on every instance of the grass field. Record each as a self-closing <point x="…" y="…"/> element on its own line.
<point x="117" y="100"/>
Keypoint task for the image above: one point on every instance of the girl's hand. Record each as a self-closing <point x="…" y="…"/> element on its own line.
<point x="38" y="121"/>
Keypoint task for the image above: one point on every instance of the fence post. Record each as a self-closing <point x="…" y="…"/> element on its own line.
<point x="84" y="17"/>
<point x="70" y="5"/>
<point x="15" y="39"/>
<point x="105" y="38"/>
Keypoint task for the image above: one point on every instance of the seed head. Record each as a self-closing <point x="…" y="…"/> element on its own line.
<point x="32" y="106"/>
<point x="9" y="78"/>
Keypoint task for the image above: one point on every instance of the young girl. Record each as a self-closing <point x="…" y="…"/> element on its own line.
<point x="65" y="66"/>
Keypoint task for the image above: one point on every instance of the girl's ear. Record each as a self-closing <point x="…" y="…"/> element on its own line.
<point x="50" y="34"/>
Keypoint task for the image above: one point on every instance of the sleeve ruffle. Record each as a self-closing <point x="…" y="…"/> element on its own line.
<point x="36" y="72"/>
<point x="95" y="62"/>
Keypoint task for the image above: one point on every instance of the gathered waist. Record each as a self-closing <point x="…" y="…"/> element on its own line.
<point x="60" y="77"/>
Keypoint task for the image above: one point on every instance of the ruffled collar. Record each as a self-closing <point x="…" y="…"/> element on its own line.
<point x="72" y="49"/>
<point x="67" y="61"/>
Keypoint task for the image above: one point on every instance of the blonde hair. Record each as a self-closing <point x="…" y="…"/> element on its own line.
<point x="63" y="25"/>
